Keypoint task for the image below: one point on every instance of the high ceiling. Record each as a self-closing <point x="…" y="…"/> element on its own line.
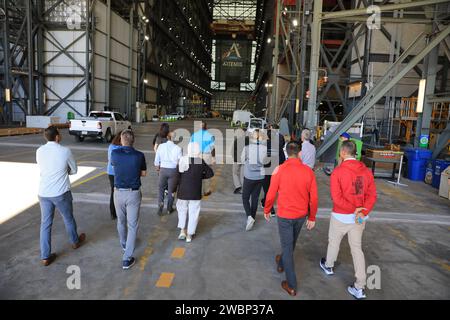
<point x="234" y="9"/>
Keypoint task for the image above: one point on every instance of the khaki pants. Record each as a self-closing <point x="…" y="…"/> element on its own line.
<point x="335" y="234"/>
<point x="206" y="183"/>
<point x="237" y="175"/>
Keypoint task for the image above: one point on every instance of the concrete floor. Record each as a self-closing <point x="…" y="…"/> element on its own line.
<point x="407" y="237"/>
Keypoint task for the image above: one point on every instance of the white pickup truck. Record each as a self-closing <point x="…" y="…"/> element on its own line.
<point x="100" y="124"/>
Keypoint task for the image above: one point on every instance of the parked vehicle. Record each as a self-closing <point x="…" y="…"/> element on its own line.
<point x="173" y="117"/>
<point x="100" y="124"/>
<point x="241" y="117"/>
<point x="155" y="118"/>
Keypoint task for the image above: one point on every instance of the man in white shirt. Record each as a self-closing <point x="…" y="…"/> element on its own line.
<point x="308" y="149"/>
<point x="55" y="163"/>
<point x="166" y="162"/>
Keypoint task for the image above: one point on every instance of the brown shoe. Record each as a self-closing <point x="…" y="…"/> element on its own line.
<point x="81" y="239"/>
<point x="285" y="286"/>
<point x="277" y="260"/>
<point x="49" y="260"/>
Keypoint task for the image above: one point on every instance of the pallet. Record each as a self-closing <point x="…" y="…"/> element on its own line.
<point x="19" y="131"/>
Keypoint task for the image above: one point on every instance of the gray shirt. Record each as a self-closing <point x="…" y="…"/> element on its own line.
<point x="308" y="154"/>
<point x="253" y="157"/>
<point x="55" y="164"/>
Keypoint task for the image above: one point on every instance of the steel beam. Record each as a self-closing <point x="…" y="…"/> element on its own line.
<point x="108" y="53"/>
<point x="441" y="142"/>
<point x="377" y="92"/>
<point x="383" y="8"/>
<point x="314" y="65"/>
<point x="276" y="52"/>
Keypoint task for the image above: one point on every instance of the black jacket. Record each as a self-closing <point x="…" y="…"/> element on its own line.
<point x="279" y="152"/>
<point x="190" y="187"/>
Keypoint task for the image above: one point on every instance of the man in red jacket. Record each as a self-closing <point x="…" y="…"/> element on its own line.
<point x="354" y="194"/>
<point x="296" y="186"/>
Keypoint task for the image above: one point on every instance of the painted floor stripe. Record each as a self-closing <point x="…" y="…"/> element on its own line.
<point x="178" y="253"/>
<point x="165" y="280"/>
<point x="72" y="147"/>
<point x="89" y="179"/>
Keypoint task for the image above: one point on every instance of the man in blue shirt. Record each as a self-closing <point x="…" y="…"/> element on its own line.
<point x="129" y="166"/>
<point x="206" y="142"/>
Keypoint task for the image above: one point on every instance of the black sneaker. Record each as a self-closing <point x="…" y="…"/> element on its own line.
<point x="356" y="293"/>
<point x="127" y="264"/>
<point x="238" y="190"/>
<point x="327" y="171"/>
<point x="170" y="210"/>
<point x="160" y="210"/>
<point x="262" y="204"/>
<point x="328" y="271"/>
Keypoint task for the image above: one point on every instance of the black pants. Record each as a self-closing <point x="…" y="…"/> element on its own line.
<point x="289" y="230"/>
<point x="112" y="209"/>
<point x="250" y="195"/>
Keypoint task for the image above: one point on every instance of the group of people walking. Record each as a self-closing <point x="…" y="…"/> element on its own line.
<point x="291" y="183"/>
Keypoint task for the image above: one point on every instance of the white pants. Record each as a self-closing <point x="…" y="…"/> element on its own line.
<point x="188" y="210"/>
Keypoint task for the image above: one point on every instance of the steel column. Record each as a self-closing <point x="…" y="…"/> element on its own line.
<point x="314" y="66"/>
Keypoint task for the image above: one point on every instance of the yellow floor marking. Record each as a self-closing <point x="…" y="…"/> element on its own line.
<point x="165" y="280"/>
<point x="414" y="245"/>
<point x="144" y="259"/>
<point x="90" y="155"/>
<point x="89" y="179"/>
<point x="178" y="253"/>
<point x="443" y="265"/>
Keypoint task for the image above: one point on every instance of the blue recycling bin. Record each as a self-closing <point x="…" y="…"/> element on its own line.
<point x="417" y="163"/>
<point x="438" y="167"/>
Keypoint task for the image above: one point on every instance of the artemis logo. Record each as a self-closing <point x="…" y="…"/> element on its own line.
<point x="374" y="278"/>
<point x="74" y="280"/>
<point x="73" y="21"/>
<point x="374" y="21"/>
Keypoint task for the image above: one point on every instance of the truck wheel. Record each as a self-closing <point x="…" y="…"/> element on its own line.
<point x="79" y="138"/>
<point x="108" y="136"/>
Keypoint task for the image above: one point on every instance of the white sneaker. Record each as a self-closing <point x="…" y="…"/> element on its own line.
<point x="250" y="223"/>
<point x="357" y="293"/>
<point x="182" y="235"/>
<point x="188" y="238"/>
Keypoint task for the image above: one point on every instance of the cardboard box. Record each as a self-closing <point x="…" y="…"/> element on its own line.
<point x="445" y="182"/>
<point x="384" y="154"/>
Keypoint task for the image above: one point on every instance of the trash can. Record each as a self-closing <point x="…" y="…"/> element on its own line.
<point x="429" y="172"/>
<point x="438" y="167"/>
<point x="70" y="116"/>
<point x="417" y="163"/>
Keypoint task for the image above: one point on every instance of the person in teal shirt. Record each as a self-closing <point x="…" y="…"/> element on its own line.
<point x="206" y="142"/>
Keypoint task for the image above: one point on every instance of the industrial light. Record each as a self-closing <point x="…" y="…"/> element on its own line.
<point x="269" y="40"/>
<point x="295" y="22"/>
<point x="147" y="20"/>
<point x="421" y="96"/>
<point x="144" y="17"/>
<point x="145" y="81"/>
<point x="147" y="37"/>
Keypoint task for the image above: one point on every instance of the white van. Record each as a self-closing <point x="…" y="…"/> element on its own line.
<point x="241" y="117"/>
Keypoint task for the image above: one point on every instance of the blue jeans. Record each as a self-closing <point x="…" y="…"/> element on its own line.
<point x="64" y="205"/>
<point x="289" y="230"/>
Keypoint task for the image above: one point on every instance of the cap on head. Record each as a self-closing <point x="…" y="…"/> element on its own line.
<point x="345" y="135"/>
